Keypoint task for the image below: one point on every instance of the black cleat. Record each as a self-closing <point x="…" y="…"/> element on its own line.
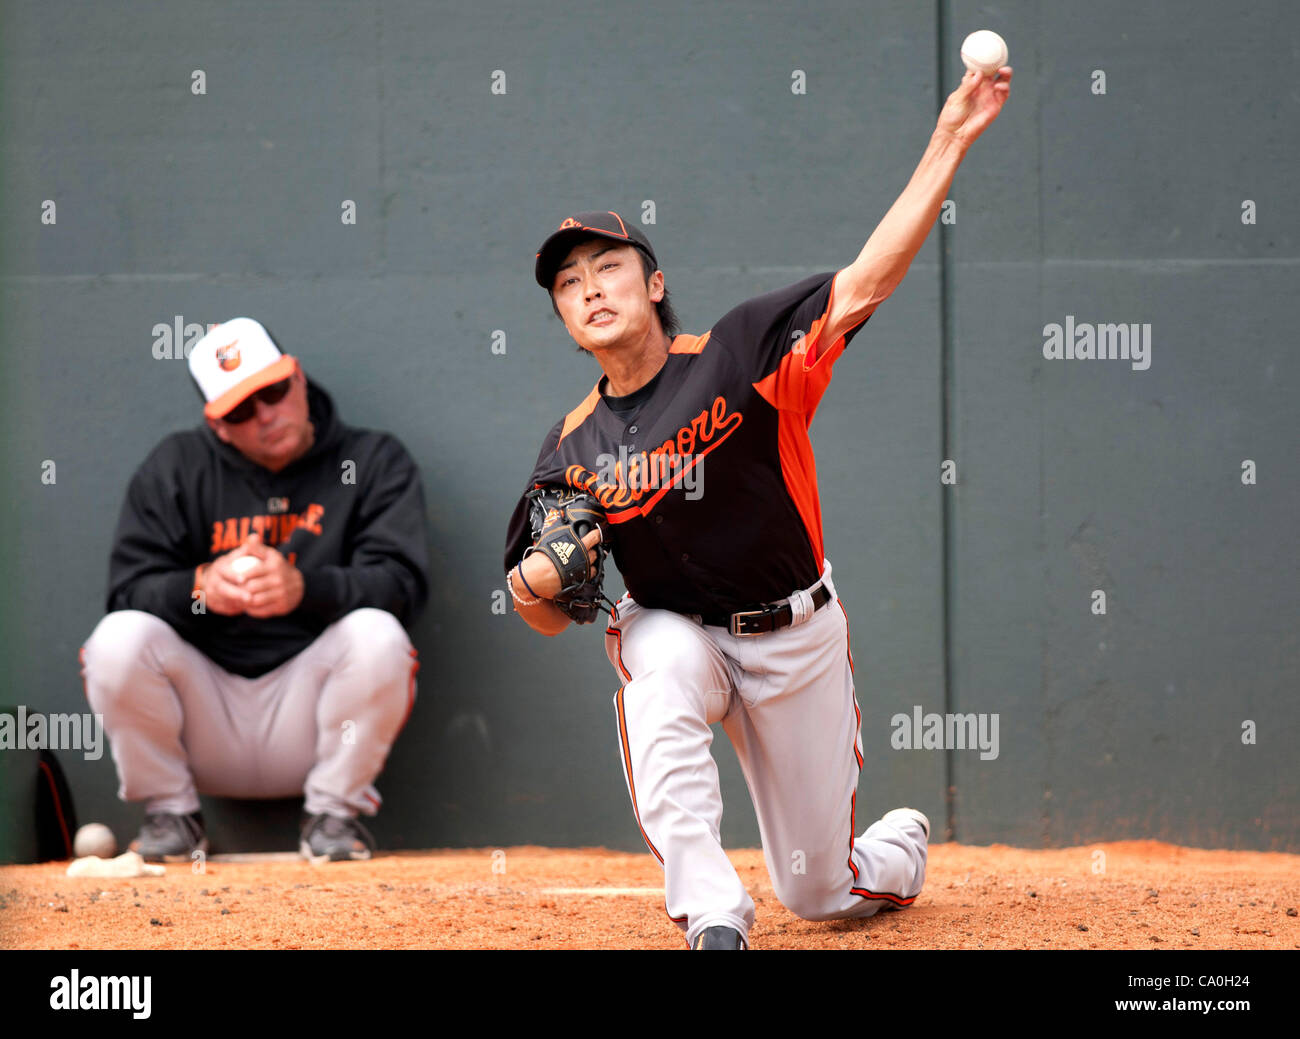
<point x="332" y="838"/>
<point x="171" y="838"/>
<point x="720" y="937"/>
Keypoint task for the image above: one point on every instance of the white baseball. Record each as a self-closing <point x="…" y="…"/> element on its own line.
<point x="94" y="839"/>
<point x="244" y="564"/>
<point x="984" y="51"/>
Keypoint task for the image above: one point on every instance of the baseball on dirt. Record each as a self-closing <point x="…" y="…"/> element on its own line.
<point x="985" y="52"/>
<point x="94" y="839"/>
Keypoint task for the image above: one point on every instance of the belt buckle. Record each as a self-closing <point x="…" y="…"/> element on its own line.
<point x="737" y="617"/>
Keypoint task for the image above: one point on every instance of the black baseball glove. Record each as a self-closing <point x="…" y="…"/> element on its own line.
<point x="560" y="518"/>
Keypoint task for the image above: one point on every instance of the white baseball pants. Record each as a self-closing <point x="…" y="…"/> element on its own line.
<point x="319" y="725"/>
<point x="785" y="699"/>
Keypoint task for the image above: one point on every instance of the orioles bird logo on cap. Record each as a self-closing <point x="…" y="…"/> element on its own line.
<point x="228" y="356"/>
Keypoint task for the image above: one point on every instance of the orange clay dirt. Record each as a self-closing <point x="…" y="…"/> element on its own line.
<point x="1141" y="895"/>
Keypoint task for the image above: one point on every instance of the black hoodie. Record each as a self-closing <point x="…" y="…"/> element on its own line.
<point x="349" y="514"/>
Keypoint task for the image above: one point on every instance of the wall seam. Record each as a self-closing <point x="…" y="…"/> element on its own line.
<point x="946" y="491"/>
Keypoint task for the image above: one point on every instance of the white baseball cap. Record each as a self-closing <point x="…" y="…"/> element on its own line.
<point x="235" y="360"/>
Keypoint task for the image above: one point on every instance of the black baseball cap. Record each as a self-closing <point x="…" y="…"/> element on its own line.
<point x="574" y="229"/>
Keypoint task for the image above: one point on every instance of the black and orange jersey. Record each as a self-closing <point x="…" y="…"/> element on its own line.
<point x="710" y="485"/>
<point x="357" y="542"/>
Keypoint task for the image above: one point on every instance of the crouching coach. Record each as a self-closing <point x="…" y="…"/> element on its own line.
<point x="264" y="573"/>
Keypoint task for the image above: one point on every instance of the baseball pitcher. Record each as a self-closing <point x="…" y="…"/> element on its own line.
<point x="690" y="461"/>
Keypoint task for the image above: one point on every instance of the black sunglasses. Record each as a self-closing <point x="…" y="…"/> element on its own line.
<point x="247" y="407"/>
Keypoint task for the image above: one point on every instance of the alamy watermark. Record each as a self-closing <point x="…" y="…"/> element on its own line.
<point x="1083" y="341"/>
<point x="641" y="471"/>
<point x="919" y="731"/>
<point x="130" y="992"/>
<point x="35" y="731"/>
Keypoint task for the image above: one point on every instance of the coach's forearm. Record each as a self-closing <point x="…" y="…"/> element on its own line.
<point x="898" y="237"/>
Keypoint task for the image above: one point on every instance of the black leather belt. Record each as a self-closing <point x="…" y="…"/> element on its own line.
<point x="771" y="617"/>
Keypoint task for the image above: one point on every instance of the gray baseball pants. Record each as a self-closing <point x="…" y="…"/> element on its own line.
<point x="786" y="701"/>
<point x="320" y="725"/>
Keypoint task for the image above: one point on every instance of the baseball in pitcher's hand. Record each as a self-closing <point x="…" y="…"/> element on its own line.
<point x="974" y="104"/>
